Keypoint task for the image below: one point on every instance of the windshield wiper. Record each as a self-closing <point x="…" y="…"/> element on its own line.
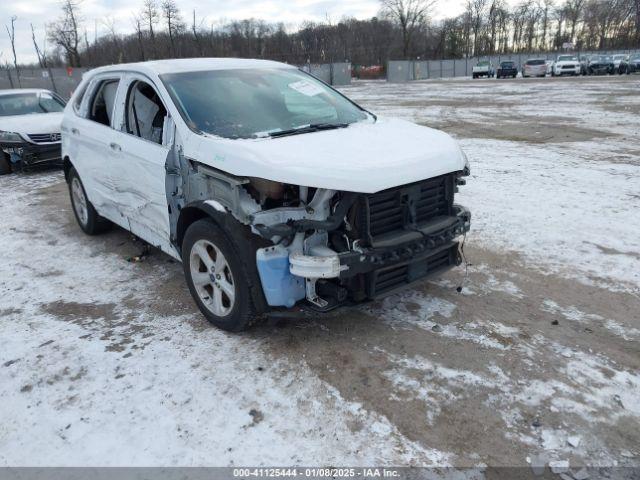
<point x="313" y="127"/>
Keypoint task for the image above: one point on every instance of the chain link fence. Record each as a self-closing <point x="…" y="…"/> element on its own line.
<point x="399" y="71"/>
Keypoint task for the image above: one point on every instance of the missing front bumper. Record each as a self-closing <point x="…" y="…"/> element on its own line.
<point x="407" y="256"/>
<point x="25" y="156"/>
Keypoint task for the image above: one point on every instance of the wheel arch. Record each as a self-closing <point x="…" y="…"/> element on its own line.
<point x="238" y="234"/>
<point x="188" y="216"/>
<point x="66" y="167"/>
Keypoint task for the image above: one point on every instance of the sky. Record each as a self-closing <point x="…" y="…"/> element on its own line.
<point x="120" y="12"/>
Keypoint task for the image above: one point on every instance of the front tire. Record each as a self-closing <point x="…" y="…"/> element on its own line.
<point x="90" y="222"/>
<point x="217" y="278"/>
<point x="5" y="165"/>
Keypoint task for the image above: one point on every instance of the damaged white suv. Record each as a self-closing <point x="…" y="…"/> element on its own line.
<point x="273" y="189"/>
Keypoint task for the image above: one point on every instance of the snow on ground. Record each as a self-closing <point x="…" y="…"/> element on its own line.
<point x="570" y="206"/>
<point x="582" y="216"/>
<point x="106" y="362"/>
<point x="191" y="397"/>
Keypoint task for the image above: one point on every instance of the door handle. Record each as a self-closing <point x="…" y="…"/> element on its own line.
<point x="115" y="146"/>
<point x="75" y="131"/>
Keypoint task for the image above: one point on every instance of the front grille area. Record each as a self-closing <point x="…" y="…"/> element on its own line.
<point x="386" y="280"/>
<point x="44" y="137"/>
<point x="406" y="207"/>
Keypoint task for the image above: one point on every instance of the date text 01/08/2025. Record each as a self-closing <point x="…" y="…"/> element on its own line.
<point x="316" y="472"/>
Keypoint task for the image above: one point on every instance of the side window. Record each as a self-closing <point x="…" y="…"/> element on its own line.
<point x="145" y="113"/>
<point x="103" y="103"/>
<point x="77" y="100"/>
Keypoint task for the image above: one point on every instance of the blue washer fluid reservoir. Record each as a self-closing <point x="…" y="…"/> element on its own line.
<point x="281" y="289"/>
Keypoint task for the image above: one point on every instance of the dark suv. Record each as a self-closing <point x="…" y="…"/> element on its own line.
<point x="507" y="69"/>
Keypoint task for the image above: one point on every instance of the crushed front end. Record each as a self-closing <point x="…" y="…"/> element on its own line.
<point x="346" y="246"/>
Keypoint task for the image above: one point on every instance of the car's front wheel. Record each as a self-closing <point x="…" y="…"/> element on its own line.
<point x="90" y="222"/>
<point x="216" y="276"/>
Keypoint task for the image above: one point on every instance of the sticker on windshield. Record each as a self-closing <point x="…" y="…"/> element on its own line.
<point x="306" y="88"/>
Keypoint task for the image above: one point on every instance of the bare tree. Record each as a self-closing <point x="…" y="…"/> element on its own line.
<point x="403" y="30"/>
<point x="546" y="7"/>
<point x="574" y="11"/>
<point x="637" y="12"/>
<point x="171" y="14"/>
<point x="12" y="38"/>
<point x="64" y="32"/>
<point x="42" y="58"/>
<point x="110" y="24"/>
<point x="137" y="25"/>
<point x="150" y="17"/>
<point x="196" y="35"/>
<point x="409" y="14"/>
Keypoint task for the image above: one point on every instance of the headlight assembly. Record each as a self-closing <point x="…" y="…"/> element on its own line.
<point x="10" y="137"/>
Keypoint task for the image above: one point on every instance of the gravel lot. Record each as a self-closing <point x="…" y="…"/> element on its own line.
<point x="107" y="362"/>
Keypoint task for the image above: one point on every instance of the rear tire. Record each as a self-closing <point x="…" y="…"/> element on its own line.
<point x="90" y="222"/>
<point x="217" y="277"/>
<point x="5" y="165"/>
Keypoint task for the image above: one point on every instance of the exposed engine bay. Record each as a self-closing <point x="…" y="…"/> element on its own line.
<point x="328" y="246"/>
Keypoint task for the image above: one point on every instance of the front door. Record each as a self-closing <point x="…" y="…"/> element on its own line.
<point x="142" y="152"/>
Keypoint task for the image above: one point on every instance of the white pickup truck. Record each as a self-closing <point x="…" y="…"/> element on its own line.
<point x="484" y="68"/>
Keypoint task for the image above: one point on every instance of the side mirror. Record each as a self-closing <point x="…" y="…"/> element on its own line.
<point x="168" y="131"/>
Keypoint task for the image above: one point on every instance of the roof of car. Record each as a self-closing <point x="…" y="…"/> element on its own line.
<point x="13" y="91"/>
<point x="181" y="65"/>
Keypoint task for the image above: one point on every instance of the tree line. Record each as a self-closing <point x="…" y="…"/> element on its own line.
<point x="402" y="29"/>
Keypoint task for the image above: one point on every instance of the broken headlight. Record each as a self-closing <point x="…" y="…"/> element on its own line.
<point x="9" y="137"/>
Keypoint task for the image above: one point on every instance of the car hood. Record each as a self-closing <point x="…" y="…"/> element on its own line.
<point x="568" y="62"/>
<point x="32" y="123"/>
<point x="365" y="157"/>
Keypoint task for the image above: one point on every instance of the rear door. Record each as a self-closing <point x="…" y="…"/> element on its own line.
<point x="90" y="133"/>
<point x="142" y="148"/>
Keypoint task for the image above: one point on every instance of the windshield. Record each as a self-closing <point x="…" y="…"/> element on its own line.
<point x="634" y="57"/>
<point x="605" y="58"/>
<point x="535" y="62"/>
<point x="506" y="64"/>
<point x="567" y="58"/>
<point x="250" y="103"/>
<point x="28" y="103"/>
<point x="483" y="64"/>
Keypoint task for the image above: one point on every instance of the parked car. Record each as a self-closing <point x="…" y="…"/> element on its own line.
<point x="631" y="64"/>
<point x="534" y="68"/>
<point x="566" y="65"/>
<point x="484" y="68"/>
<point x="549" y="64"/>
<point x="584" y="64"/>
<point x="618" y="60"/>
<point x="29" y="129"/>
<point x="272" y="188"/>
<point x="507" y="69"/>
<point x="600" y="65"/>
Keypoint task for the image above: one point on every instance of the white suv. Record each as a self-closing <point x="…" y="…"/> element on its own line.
<point x="566" y="65"/>
<point x="272" y="188"/>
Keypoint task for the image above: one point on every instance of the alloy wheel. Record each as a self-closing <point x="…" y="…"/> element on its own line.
<point x="79" y="201"/>
<point x="212" y="278"/>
